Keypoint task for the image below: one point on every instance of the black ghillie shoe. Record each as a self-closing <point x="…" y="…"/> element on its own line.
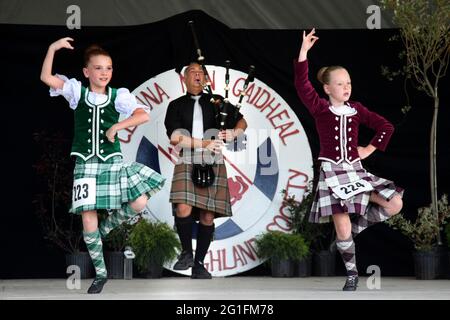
<point x="185" y="261"/>
<point x="97" y="285"/>
<point x="199" y="272"/>
<point x="351" y="283"/>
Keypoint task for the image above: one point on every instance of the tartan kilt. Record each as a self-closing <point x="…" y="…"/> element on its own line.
<point x="215" y="198"/>
<point x="327" y="203"/>
<point x="116" y="182"/>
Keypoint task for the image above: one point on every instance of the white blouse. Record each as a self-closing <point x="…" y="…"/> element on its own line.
<point x="343" y="109"/>
<point x="125" y="102"/>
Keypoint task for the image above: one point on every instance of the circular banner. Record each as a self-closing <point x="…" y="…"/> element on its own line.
<point x="275" y="156"/>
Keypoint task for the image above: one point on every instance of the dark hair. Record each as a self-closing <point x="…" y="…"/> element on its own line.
<point x="94" y="50"/>
<point x="189" y="66"/>
<point x="324" y="73"/>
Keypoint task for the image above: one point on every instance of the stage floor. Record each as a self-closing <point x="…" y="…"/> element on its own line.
<point x="231" y="288"/>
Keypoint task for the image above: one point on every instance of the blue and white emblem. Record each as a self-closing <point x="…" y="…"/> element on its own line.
<point x="277" y="156"/>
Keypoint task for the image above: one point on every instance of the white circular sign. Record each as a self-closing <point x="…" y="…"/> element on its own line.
<point x="276" y="156"/>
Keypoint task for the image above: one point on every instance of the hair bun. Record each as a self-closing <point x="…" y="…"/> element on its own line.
<point x="320" y="74"/>
<point x="324" y="74"/>
<point x="93" y="47"/>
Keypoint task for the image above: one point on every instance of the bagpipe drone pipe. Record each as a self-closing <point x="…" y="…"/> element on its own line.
<point x="226" y="112"/>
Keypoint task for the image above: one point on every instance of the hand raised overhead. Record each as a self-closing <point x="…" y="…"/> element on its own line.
<point x="308" y="42"/>
<point x="62" y="43"/>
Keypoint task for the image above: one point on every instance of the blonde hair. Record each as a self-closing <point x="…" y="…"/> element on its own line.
<point x="324" y="73"/>
<point x="94" y="50"/>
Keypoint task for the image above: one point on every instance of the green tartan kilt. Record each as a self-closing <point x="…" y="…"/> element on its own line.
<point x="215" y="198"/>
<point x="116" y="182"/>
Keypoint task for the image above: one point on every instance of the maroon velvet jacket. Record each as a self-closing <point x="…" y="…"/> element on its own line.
<point x="338" y="133"/>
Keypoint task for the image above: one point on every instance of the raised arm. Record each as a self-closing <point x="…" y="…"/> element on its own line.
<point x="46" y="73"/>
<point x="308" y="42"/>
<point x="305" y="90"/>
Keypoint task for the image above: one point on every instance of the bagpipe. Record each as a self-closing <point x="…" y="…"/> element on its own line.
<point x="226" y="112"/>
<point x="203" y="174"/>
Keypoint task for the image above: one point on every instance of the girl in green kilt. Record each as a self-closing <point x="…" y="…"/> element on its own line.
<point x="102" y="181"/>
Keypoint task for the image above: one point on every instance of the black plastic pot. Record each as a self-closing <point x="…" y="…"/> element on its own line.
<point x="84" y="262"/>
<point x="282" y="268"/>
<point x="425" y="265"/>
<point x="324" y="263"/>
<point x="303" y="268"/>
<point x="443" y="266"/>
<point x="154" y="271"/>
<point x="114" y="264"/>
<point x="448" y="260"/>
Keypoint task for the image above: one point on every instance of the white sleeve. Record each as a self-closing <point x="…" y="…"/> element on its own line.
<point x="71" y="90"/>
<point x="126" y="103"/>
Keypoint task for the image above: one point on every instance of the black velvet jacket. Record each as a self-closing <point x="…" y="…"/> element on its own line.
<point x="180" y="112"/>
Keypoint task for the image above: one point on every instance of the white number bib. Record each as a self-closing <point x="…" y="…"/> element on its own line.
<point x="84" y="192"/>
<point x="346" y="191"/>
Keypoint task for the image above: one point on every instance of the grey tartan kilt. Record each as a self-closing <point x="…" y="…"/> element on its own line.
<point x="116" y="182"/>
<point x="326" y="203"/>
<point x="215" y="198"/>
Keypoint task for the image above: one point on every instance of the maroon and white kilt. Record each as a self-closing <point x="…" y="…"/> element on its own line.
<point x="326" y="202"/>
<point x="215" y="198"/>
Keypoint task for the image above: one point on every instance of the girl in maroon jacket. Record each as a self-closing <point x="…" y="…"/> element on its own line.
<point x="346" y="193"/>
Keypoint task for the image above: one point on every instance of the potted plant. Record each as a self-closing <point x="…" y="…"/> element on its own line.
<point x="281" y="249"/>
<point x="424" y="233"/>
<point x="155" y="244"/>
<point x="425" y="34"/>
<point x="54" y="182"/>
<point x="299" y="221"/>
<point x="115" y="243"/>
<point x="319" y="237"/>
